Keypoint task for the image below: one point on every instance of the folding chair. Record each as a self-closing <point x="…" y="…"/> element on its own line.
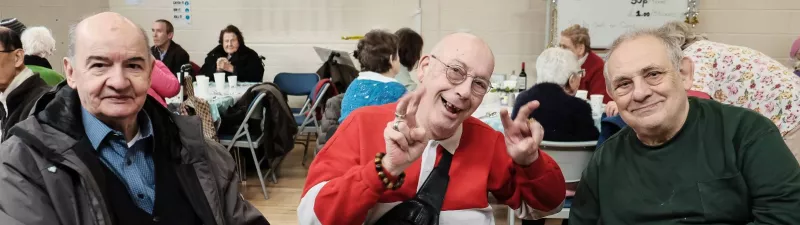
<point x="243" y="139"/>
<point x="300" y="84"/>
<point x="297" y="84"/>
<point x="311" y="117"/>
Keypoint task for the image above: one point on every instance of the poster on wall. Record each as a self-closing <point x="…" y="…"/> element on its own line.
<point x="181" y="12"/>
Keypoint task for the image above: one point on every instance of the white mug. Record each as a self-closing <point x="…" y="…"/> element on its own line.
<point x="232" y="81"/>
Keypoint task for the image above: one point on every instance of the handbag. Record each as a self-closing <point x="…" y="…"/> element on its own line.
<point x="426" y="205"/>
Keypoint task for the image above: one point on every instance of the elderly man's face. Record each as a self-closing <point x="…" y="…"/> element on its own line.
<point x="446" y="104"/>
<point x="110" y="70"/>
<point x="645" y="85"/>
<point x="10" y="60"/>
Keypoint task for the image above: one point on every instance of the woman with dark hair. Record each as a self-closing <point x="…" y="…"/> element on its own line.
<point x="232" y="57"/>
<point x="409" y="50"/>
<point x="375" y="85"/>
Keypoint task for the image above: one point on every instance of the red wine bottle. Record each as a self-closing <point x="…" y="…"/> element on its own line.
<point x="522" y="79"/>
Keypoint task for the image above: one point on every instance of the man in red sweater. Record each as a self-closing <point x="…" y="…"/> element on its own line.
<point x="426" y="158"/>
<point x="576" y="39"/>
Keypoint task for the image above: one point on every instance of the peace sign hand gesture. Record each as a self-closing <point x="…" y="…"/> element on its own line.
<point x="521" y="135"/>
<point x="405" y="140"/>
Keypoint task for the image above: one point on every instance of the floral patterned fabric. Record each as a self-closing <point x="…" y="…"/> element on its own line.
<point x="747" y="78"/>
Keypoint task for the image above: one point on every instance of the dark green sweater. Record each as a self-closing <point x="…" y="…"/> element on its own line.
<point x="727" y="165"/>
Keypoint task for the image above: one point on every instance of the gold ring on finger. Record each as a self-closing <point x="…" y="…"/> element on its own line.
<point x="399" y="116"/>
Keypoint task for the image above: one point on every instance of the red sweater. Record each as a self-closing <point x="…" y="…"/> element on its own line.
<point x="593" y="81"/>
<point x="342" y="186"/>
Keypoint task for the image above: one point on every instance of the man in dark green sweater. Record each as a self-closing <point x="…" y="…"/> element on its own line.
<point x="682" y="161"/>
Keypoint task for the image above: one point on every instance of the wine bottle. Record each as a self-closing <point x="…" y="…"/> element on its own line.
<point x="522" y="79"/>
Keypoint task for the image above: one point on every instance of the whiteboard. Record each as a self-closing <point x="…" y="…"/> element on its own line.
<point x="608" y="19"/>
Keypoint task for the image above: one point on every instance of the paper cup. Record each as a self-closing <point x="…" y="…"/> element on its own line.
<point x="202" y="87"/>
<point x="219" y="81"/>
<point x="232" y="81"/>
<point x="582" y="94"/>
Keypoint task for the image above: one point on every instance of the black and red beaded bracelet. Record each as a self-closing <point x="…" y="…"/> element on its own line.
<point x="382" y="174"/>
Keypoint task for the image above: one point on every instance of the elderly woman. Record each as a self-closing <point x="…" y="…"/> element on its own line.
<point x="426" y="160"/>
<point x="375" y="85"/>
<point x="563" y="116"/>
<point x="233" y="58"/>
<point x="794" y="54"/>
<point x="39" y="44"/>
<point x="576" y="39"/>
<point x="743" y="77"/>
<point x="410" y="49"/>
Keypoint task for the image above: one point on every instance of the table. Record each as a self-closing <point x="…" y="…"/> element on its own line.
<point x="219" y="101"/>
<point x="490" y="114"/>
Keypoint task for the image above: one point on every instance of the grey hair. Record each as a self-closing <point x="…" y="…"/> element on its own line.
<point x="73" y="33"/>
<point x="682" y="34"/>
<point x="556" y="65"/>
<point x="672" y="46"/>
<point x="38" y="41"/>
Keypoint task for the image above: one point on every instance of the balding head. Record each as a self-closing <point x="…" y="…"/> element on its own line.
<point x="109" y="64"/>
<point x="102" y="22"/>
<point x="456" y="72"/>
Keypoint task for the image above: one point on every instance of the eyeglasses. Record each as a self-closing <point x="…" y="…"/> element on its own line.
<point x="457" y="75"/>
<point x="8" y="51"/>
<point x="579" y="73"/>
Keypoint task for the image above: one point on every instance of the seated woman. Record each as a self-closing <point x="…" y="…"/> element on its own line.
<point x="233" y="58"/>
<point x="375" y="85"/>
<point x="410" y="49"/>
<point x="564" y="117"/>
<point x="743" y="77"/>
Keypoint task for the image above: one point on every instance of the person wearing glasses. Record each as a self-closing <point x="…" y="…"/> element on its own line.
<point x="378" y="55"/>
<point x="576" y="39"/>
<point x="564" y="117"/>
<point x="20" y="87"/>
<point x="426" y="160"/>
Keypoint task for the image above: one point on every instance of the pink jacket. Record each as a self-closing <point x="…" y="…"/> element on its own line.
<point x="163" y="84"/>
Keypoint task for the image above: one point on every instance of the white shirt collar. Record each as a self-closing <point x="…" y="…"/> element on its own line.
<point x="451" y="144"/>
<point x="583" y="59"/>
<point x="18" y="80"/>
<point x="369" y="75"/>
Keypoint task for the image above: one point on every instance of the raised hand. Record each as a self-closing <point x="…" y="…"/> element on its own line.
<point x="405" y="140"/>
<point x="522" y="136"/>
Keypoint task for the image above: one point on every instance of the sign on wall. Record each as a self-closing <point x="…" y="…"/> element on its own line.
<point x="181" y="12"/>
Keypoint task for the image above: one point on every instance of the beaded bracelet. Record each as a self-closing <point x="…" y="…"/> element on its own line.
<point x="382" y="175"/>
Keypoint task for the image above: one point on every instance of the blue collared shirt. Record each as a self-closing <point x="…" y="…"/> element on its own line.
<point x="130" y="161"/>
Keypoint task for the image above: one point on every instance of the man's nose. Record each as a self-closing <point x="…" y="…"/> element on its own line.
<point x="117" y="79"/>
<point x="641" y="91"/>
<point x="464" y="89"/>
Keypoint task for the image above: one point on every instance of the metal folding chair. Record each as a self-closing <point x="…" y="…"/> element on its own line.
<point x="243" y="139"/>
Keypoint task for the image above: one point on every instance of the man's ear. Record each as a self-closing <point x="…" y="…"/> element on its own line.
<point x="424" y="63"/>
<point x="170" y="35"/>
<point x="69" y="72"/>
<point x="687" y="72"/>
<point x="19" y="59"/>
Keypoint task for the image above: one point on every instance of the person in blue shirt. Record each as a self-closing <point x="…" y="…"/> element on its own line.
<point x="98" y="150"/>
<point x="380" y="63"/>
